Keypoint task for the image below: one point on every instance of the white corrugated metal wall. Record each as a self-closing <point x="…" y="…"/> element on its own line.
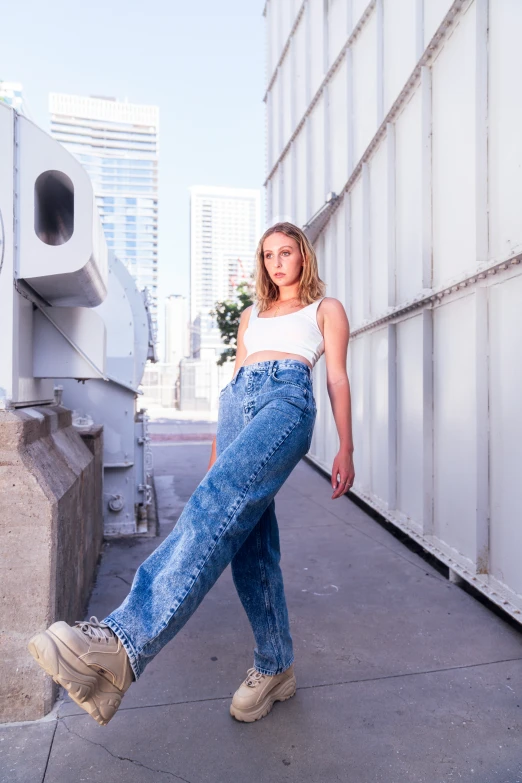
<point x="408" y="111"/>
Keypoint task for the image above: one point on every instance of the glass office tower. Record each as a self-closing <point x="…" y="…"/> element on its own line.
<point x="117" y="143"/>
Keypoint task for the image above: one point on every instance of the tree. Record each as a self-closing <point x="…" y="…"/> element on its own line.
<point x="227" y="314"/>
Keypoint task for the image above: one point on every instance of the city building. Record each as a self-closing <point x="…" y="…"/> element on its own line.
<point x="393" y="139"/>
<point x="224" y="231"/>
<point x="177" y="331"/>
<point x="117" y="143"/>
<point x="12" y="94"/>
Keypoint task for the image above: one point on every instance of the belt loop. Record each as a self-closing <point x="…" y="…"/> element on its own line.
<point x="271" y="367"/>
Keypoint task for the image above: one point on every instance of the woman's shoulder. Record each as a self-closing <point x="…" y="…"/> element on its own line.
<point x="244" y="316"/>
<point x="330" y="310"/>
<point x="329" y="304"/>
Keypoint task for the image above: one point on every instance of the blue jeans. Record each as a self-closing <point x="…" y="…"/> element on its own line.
<point x="265" y="424"/>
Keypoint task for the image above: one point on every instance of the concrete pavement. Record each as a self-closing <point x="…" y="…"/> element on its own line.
<point x="403" y="677"/>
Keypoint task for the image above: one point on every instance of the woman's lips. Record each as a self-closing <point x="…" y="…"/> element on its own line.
<point x="279" y="274"/>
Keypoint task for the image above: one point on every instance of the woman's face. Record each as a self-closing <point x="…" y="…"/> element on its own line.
<point x="283" y="259"/>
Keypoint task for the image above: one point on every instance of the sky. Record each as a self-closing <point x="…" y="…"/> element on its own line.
<point x="201" y="62"/>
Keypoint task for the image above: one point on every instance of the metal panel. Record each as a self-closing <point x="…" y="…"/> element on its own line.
<point x="275" y="121"/>
<point x="400" y="55"/>
<point x="287" y="18"/>
<point x="275" y="32"/>
<point x="409" y="414"/>
<point x="318" y="154"/>
<point x="339" y="272"/>
<point x="453" y="92"/>
<point x="454" y="412"/>
<point x="408" y="151"/>
<point x="360" y="414"/>
<point x="287" y="98"/>
<point x="316" y="53"/>
<point x="301" y="178"/>
<point x="378" y="233"/>
<point x="286" y="199"/>
<point x="505" y="121"/>
<point x="275" y="196"/>
<point x="364" y="59"/>
<point x="434" y="13"/>
<point x="358" y="8"/>
<point x="378" y="413"/>
<point x="68" y="342"/>
<point x="299" y="87"/>
<point x="338" y="127"/>
<point x="505" y="383"/>
<point x="338" y="14"/>
<point x="356" y="256"/>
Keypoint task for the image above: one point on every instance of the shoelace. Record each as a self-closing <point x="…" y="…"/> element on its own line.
<point x="253" y="677"/>
<point x="94" y="629"/>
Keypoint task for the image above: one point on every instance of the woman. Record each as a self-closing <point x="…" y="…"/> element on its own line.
<point x="265" y="424"/>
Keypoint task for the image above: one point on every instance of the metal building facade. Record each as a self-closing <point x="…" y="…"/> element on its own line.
<point x="393" y="136"/>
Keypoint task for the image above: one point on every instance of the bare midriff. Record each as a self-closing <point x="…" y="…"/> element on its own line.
<point x="265" y="356"/>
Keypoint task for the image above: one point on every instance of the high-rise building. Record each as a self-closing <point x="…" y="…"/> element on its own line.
<point x="12" y="94"/>
<point x="177" y="334"/>
<point x="224" y="231"/>
<point x="117" y="143"/>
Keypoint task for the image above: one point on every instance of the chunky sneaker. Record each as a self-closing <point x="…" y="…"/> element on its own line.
<point x="257" y="693"/>
<point x="89" y="661"/>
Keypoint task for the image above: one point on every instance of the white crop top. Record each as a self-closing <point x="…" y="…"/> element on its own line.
<point x="296" y="333"/>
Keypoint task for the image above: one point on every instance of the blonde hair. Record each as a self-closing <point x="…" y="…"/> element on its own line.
<point x="311" y="287"/>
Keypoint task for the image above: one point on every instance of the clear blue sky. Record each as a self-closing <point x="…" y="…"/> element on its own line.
<point x="202" y="63"/>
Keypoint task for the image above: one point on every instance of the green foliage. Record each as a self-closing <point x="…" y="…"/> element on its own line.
<point x="227" y="315"/>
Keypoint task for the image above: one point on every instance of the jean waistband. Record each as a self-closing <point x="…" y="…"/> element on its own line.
<point x="268" y="367"/>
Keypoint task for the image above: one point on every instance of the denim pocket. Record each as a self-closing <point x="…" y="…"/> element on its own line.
<point x="293" y="376"/>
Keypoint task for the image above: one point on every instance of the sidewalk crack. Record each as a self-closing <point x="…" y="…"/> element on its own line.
<point x="123" y="758"/>
<point x="49" y="754"/>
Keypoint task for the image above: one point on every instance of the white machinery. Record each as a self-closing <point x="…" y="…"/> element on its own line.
<point x="53" y="265"/>
<point x="127" y="465"/>
<point x="58" y="302"/>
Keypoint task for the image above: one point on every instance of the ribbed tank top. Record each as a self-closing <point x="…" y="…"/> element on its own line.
<point x="296" y="333"/>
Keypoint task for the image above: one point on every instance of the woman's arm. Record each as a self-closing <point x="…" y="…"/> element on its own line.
<point x="336" y="333"/>
<point x="240" y="358"/>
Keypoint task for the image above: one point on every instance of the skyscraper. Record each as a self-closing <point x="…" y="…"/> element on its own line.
<point x="12" y="94"/>
<point x="117" y="143"/>
<point x="177" y="336"/>
<point x="224" y="231"/>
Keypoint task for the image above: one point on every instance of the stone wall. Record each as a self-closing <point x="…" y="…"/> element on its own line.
<point x="51" y="533"/>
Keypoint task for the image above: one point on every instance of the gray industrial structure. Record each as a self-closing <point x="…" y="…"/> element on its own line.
<point x="76" y="330"/>
<point x="128" y="491"/>
<point x="73" y="314"/>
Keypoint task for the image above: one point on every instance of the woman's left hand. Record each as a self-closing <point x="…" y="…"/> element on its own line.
<point x="343" y="473"/>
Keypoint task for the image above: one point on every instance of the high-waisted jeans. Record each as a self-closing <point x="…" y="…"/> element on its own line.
<point x="265" y="424"/>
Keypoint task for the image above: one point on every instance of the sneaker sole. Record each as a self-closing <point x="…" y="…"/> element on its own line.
<point x="281" y="692"/>
<point x="88" y="689"/>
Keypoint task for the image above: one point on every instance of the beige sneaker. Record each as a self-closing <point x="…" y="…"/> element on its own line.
<point x="89" y="661"/>
<point x="257" y="693"/>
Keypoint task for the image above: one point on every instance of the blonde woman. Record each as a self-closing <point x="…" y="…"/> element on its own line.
<point x="265" y="424"/>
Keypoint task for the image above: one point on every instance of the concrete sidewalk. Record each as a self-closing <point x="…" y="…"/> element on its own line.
<point x="403" y="677"/>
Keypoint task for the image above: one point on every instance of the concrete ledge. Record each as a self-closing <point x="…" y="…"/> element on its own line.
<point x="51" y="532"/>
